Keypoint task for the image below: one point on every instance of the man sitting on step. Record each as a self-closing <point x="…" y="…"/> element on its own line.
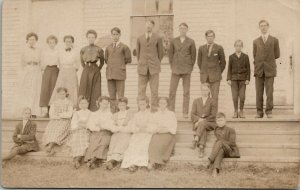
<point x="203" y="114"/>
<point x="224" y="146"/>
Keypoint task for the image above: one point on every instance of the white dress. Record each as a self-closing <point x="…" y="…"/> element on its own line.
<point x="137" y="151"/>
<point x="30" y="81"/>
<point x="79" y="140"/>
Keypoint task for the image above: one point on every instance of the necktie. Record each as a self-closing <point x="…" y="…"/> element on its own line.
<point x="264" y="38"/>
<point x="209" y="49"/>
<point x="114" y="45"/>
<point x="148" y="37"/>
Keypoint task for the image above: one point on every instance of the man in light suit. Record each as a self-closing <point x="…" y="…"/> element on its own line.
<point x="149" y="51"/>
<point x="182" y="57"/>
<point x="211" y="62"/>
<point x="265" y="52"/>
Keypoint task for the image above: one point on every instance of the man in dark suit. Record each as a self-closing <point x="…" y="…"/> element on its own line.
<point x="203" y="116"/>
<point x="211" y="62"/>
<point x="265" y="52"/>
<point x="182" y="57"/>
<point x="225" y="145"/>
<point x="117" y="55"/>
<point x="149" y="51"/>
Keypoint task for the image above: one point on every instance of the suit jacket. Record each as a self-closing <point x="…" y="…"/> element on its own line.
<point x="116" y="60"/>
<point x="182" y="56"/>
<point x="264" y="56"/>
<point x="207" y="110"/>
<point x="211" y="67"/>
<point x="149" y="54"/>
<point x="27" y="137"/>
<point x="238" y="67"/>
<point x="228" y="136"/>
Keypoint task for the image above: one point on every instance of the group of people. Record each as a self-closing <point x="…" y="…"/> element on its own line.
<point x="103" y="127"/>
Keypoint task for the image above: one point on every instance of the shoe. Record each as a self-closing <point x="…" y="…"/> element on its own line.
<point x="185" y="116"/>
<point x="109" y="165"/>
<point x="235" y="115"/>
<point x="269" y="115"/>
<point x="241" y="114"/>
<point x="201" y="152"/>
<point x="259" y="116"/>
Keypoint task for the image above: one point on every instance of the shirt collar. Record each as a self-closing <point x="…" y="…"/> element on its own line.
<point x="148" y="33"/>
<point x="117" y="43"/>
<point x="265" y="35"/>
<point x="238" y="54"/>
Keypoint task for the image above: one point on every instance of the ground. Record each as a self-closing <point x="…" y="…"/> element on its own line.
<point x="42" y="173"/>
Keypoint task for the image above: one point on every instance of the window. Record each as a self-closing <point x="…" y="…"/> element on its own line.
<point x="161" y="11"/>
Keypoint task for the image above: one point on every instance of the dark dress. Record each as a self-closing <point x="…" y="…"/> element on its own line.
<point x="90" y="82"/>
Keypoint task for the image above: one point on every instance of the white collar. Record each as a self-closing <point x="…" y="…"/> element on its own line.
<point x="265" y="35"/>
<point x="148" y="33"/>
<point x="117" y="43"/>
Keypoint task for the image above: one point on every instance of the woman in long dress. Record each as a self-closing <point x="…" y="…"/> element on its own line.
<point x="90" y="81"/>
<point x="31" y="77"/>
<point x="79" y="140"/>
<point x="120" y="139"/>
<point x="101" y="126"/>
<point x="58" y="128"/>
<point x="49" y="63"/>
<point x="68" y="66"/>
<point x="136" y="154"/>
<point x="163" y="140"/>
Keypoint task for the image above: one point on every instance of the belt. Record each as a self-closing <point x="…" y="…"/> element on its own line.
<point x="51" y="65"/>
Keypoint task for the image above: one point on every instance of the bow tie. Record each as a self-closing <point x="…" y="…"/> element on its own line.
<point x="68" y="49"/>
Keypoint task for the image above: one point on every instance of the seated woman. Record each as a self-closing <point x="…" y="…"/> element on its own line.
<point x="23" y="137"/>
<point x="136" y="154"/>
<point x="58" y="128"/>
<point x="79" y="141"/>
<point x="101" y="126"/>
<point x="163" y="140"/>
<point x="120" y="139"/>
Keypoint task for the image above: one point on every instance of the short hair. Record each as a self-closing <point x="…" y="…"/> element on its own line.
<point x="26" y="109"/>
<point x="60" y="89"/>
<point x="100" y="99"/>
<point x="80" y="98"/>
<point x="151" y="21"/>
<point x="123" y="99"/>
<point x="238" y="41"/>
<point x="184" y="24"/>
<point x="91" y="32"/>
<point x="163" y="98"/>
<point x="210" y="32"/>
<point x="69" y="37"/>
<point x="220" y="115"/>
<point x="52" y="37"/>
<point x="145" y="99"/>
<point x="32" y="34"/>
<point x="263" y="21"/>
<point x="116" y="29"/>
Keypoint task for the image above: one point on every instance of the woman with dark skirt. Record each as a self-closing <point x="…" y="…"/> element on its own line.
<point x="49" y="63"/>
<point x="163" y="140"/>
<point x="90" y="82"/>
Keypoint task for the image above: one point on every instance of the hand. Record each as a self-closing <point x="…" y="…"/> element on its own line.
<point x="229" y="82"/>
<point x="247" y="82"/>
<point x="199" y="120"/>
<point x="19" y="136"/>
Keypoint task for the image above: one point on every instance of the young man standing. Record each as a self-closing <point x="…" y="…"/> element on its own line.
<point x="211" y="62"/>
<point x="149" y="51"/>
<point x="182" y="57"/>
<point x="265" y="52"/>
<point x="117" y="55"/>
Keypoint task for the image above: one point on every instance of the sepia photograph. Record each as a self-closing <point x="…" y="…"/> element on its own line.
<point x="150" y="94"/>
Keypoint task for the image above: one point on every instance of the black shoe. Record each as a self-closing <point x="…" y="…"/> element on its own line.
<point x="235" y="115"/>
<point x="259" y="116"/>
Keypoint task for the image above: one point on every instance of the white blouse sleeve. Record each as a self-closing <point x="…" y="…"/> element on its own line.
<point x="68" y="114"/>
<point x="74" y="121"/>
<point x="92" y="122"/>
<point x="52" y="114"/>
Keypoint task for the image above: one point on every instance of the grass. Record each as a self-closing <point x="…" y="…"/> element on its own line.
<point x="28" y="173"/>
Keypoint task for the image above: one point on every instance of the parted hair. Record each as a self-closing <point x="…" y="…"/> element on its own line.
<point x="146" y="99"/>
<point x="59" y="89"/>
<point x="184" y="24"/>
<point x="220" y="115"/>
<point x="32" y="34"/>
<point x="263" y="21"/>
<point x="116" y="29"/>
<point x="100" y="99"/>
<point x="151" y="21"/>
<point x="91" y="32"/>
<point x="163" y="98"/>
<point x="123" y="99"/>
<point x="52" y="37"/>
<point x="69" y="37"/>
<point x="239" y="41"/>
<point x="210" y="32"/>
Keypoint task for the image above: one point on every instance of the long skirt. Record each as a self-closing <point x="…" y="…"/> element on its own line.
<point x="67" y="78"/>
<point x="161" y="147"/>
<point x="90" y="85"/>
<point x="118" y="145"/>
<point x="48" y="84"/>
<point x="98" y="145"/>
<point x="30" y="90"/>
<point x="79" y="142"/>
<point x="57" y="131"/>
<point x="137" y="151"/>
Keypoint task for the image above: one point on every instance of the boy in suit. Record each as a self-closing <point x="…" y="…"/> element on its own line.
<point x="203" y="116"/>
<point x="211" y="62"/>
<point x="23" y="137"/>
<point x="149" y="51"/>
<point x="182" y="57"/>
<point x="238" y="76"/>
<point x="117" y="55"/>
<point x="225" y="145"/>
<point x="265" y="52"/>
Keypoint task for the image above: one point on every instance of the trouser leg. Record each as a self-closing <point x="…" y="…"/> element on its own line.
<point x="242" y="94"/>
<point x="112" y="91"/>
<point x="154" y="84"/>
<point x="234" y="92"/>
<point x="172" y="91"/>
<point x="186" y="82"/>
<point x="269" y="83"/>
<point x="259" y="85"/>
<point x="214" y="88"/>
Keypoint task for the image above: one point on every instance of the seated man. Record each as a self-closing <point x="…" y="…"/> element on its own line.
<point x="203" y="116"/>
<point x="224" y="147"/>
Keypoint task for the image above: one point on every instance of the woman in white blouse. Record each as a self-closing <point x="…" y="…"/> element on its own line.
<point x="163" y="140"/>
